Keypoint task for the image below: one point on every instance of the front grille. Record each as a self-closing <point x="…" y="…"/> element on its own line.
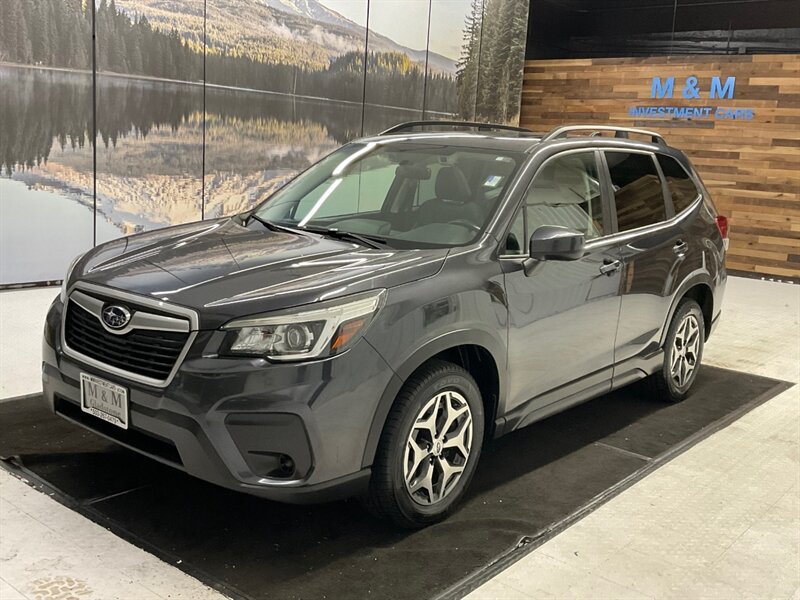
<point x="141" y="351"/>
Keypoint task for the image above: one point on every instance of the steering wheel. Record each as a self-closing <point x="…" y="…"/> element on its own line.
<point x="467" y="224"/>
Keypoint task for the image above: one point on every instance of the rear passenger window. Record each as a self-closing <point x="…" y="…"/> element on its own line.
<point x="638" y="195"/>
<point x="681" y="187"/>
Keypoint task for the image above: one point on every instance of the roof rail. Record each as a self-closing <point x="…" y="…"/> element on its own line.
<point x="409" y="126"/>
<point x="619" y="132"/>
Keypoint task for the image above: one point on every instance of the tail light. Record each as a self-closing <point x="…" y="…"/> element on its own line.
<point x="722" y="225"/>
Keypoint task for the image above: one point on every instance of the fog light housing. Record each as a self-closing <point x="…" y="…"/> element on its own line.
<point x="287" y="465"/>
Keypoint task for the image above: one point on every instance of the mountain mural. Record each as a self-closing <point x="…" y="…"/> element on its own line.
<point x="186" y="129"/>
<point x="304" y="33"/>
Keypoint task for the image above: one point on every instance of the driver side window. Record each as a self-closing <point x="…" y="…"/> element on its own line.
<point x="564" y="192"/>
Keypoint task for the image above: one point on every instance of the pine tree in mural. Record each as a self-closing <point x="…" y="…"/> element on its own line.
<point x="490" y="69"/>
<point x="58" y="33"/>
<point x="55" y="33"/>
<point x="468" y="64"/>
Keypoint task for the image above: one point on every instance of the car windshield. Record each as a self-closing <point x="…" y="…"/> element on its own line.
<point x="401" y="193"/>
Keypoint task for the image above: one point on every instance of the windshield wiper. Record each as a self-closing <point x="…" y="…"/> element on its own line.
<point x="272" y="226"/>
<point x="365" y="240"/>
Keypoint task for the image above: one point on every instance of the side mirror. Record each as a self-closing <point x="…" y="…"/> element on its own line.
<point x="550" y="242"/>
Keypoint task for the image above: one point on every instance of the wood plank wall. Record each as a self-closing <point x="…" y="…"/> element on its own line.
<point x="752" y="168"/>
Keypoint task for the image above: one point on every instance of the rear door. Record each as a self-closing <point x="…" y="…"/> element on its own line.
<point x="651" y="246"/>
<point x="562" y="314"/>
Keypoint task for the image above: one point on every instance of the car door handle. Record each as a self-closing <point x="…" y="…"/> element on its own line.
<point x="680" y="247"/>
<point x="609" y="266"/>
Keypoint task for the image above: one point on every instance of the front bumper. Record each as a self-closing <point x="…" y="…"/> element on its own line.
<point x="234" y="422"/>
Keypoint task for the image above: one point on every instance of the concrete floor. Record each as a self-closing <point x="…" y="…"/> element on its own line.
<point x="720" y="521"/>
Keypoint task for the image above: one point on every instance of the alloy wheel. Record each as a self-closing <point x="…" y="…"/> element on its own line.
<point x="438" y="448"/>
<point x="685" y="350"/>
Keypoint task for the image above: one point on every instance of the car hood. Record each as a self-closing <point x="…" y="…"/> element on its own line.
<point x="225" y="270"/>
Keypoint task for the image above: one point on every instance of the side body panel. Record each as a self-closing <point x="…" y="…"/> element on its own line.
<point x="562" y="323"/>
<point x="655" y="276"/>
<point x="661" y="264"/>
<point x="463" y="305"/>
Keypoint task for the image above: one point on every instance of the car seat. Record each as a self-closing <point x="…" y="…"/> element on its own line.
<point x="453" y="201"/>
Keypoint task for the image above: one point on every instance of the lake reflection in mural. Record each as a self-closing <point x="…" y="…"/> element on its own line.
<point x="207" y="107"/>
<point x="148" y="155"/>
<point x="256" y="141"/>
<point x="46" y="202"/>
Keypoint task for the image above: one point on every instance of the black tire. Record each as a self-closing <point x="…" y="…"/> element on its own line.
<point x="663" y="384"/>
<point x="389" y="496"/>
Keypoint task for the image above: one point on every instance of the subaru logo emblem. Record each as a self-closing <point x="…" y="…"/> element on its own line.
<point x="116" y="316"/>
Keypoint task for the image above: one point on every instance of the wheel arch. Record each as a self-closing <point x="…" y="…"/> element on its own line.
<point x="699" y="289"/>
<point x="702" y="294"/>
<point x="476" y="351"/>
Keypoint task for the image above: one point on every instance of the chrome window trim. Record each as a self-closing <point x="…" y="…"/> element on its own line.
<point x="623" y="236"/>
<point x="538" y="148"/>
<point x="185" y="313"/>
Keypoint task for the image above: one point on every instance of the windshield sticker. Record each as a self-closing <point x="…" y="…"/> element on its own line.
<point x="492" y="180"/>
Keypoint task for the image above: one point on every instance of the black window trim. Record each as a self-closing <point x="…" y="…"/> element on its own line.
<point x="668" y="192"/>
<point x="669" y="210"/>
<point x="669" y="205"/>
<point x="617" y="236"/>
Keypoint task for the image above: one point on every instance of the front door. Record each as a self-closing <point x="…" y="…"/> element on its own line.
<point x="562" y="314"/>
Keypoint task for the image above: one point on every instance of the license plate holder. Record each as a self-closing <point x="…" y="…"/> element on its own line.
<point x="104" y="400"/>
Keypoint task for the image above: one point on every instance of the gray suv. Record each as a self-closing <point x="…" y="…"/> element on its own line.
<point x="412" y="295"/>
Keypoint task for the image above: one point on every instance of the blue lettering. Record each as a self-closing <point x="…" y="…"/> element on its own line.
<point x="720" y="91"/>
<point x="691" y="112"/>
<point x="662" y="90"/>
<point x="691" y="90"/>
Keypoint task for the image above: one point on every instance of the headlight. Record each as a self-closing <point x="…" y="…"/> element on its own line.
<point x="67" y="276"/>
<point x="327" y="329"/>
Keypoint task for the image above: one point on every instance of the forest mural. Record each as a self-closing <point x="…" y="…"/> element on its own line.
<point x="204" y="108"/>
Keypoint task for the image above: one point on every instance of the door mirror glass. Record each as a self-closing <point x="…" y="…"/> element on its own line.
<point x="550" y="242"/>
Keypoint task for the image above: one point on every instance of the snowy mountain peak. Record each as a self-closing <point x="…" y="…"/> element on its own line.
<point x="312" y="10"/>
